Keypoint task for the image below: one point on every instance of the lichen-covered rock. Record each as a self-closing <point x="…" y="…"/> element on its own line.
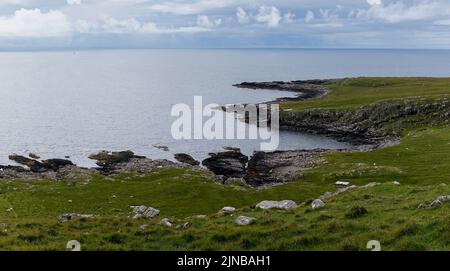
<point x="244" y="220"/>
<point x="284" y="204"/>
<point x="227" y="209"/>
<point x="144" y="211"/>
<point x="165" y="222"/>
<point x="317" y="203"/>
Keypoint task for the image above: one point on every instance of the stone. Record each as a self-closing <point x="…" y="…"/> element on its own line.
<point x="231" y="164"/>
<point x="396" y="183"/>
<point x="33" y="165"/>
<point x="342" y="183"/>
<point x="56" y="164"/>
<point x="165" y="222"/>
<point x="161" y="147"/>
<point x="227" y="209"/>
<point x="144" y="211"/>
<point x="67" y="217"/>
<point x="439" y="201"/>
<point x="236" y="182"/>
<point x="244" y="220"/>
<point x="284" y="204"/>
<point x="317" y="203"/>
<point x="373" y="184"/>
<point x="186" y="159"/>
<point x="107" y="159"/>
<point x="33" y="156"/>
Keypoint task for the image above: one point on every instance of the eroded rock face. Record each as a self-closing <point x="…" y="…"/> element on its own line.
<point x="186" y="158"/>
<point x="281" y="166"/>
<point x="284" y="205"/>
<point x="231" y="164"/>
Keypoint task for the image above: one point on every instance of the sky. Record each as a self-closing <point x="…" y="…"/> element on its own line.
<point x="72" y="24"/>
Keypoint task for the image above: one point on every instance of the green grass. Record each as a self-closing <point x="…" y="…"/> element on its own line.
<point x="420" y="163"/>
<point x="354" y="92"/>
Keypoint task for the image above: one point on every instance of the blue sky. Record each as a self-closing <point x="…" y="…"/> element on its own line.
<point x="38" y="24"/>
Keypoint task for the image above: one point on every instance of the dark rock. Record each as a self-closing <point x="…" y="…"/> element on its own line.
<point x="56" y="164"/>
<point x="161" y="147"/>
<point x="33" y="165"/>
<point x="109" y="159"/>
<point x="227" y="163"/>
<point x="281" y="166"/>
<point x="187" y="159"/>
<point x="34" y="156"/>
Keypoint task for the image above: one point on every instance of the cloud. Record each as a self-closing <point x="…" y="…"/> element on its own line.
<point x="309" y="16"/>
<point x="289" y="18"/>
<point x="242" y="16"/>
<point x="197" y="7"/>
<point x="133" y="26"/>
<point x="270" y="16"/>
<point x="204" y="21"/>
<point x="32" y="23"/>
<point x="74" y="2"/>
<point x="399" y="11"/>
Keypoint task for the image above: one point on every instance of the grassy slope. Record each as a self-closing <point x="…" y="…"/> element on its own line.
<point x="421" y="163"/>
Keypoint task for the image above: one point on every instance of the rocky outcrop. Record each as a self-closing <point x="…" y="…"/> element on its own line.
<point x="306" y="89"/>
<point x="281" y="166"/>
<point x="284" y="205"/>
<point x="231" y="163"/>
<point x="367" y="124"/>
<point x="33" y="165"/>
<point x="127" y="161"/>
<point x="186" y="159"/>
<point x="144" y="211"/>
<point x="435" y="203"/>
<point x="56" y="164"/>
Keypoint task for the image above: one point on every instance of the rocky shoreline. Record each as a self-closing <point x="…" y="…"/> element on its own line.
<point x="364" y="127"/>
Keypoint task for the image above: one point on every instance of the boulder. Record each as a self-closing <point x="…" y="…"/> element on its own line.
<point x="227" y="209"/>
<point x="144" y="211"/>
<point x="396" y="183"/>
<point x="165" y="222"/>
<point x="33" y="165"/>
<point x="67" y="217"/>
<point x="186" y="159"/>
<point x="244" y="220"/>
<point x="342" y="183"/>
<point x="34" y="156"/>
<point x="56" y="164"/>
<point x="317" y="203"/>
<point x="439" y="201"/>
<point x="107" y="159"/>
<point x="284" y="204"/>
<point x="231" y="164"/>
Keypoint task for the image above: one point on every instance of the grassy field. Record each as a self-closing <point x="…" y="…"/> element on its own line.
<point x="354" y="92"/>
<point x="29" y="209"/>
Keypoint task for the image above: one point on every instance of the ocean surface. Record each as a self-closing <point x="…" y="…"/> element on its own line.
<point x="59" y="104"/>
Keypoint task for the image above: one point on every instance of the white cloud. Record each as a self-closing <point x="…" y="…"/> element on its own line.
<point x="399" y="11"/>
<point x="74" y="2"/>
<point x="131" y="25"/>
<point x="288" y="17"/>
<point x="374" y="2"/>
<point x="309" y="16"/>
<point x="204" y="21"/>
<point x="242" y="16"/>
<point x="197" y="7"/>
<point x="32" y="23"/>
<point x="269" y="15"/>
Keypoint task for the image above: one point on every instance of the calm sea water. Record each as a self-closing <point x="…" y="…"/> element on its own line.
<point x="76" y="103"/>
